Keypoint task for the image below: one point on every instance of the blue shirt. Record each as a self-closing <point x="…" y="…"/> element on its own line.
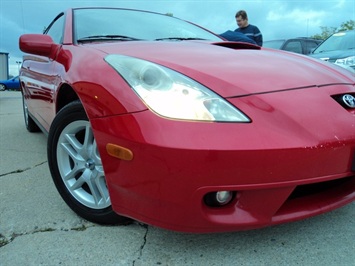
<point x="253" y="33"/>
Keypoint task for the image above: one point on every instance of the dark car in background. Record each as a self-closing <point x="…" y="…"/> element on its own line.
<point x="297" y="45"/>
<point x="339" y="49"/>
<point x="10" y="84"/>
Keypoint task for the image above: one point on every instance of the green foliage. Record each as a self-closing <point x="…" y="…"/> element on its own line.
<point x="327" y="31"/>
<point x="349" y="25"/>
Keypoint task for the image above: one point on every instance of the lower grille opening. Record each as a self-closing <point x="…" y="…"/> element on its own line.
<point x="311" y="189"/>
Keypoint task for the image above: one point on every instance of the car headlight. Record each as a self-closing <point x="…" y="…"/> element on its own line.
<point x="348" y="61"/>
<point x="171" y="94"/>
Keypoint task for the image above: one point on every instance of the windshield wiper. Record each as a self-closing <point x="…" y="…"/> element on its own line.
<point x="178" y="39"/>
<point x="107" y="37"/>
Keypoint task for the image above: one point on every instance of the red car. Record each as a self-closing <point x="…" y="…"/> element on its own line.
<point x="155" y="119"/>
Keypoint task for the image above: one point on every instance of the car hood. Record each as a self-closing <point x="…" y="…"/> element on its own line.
<point x="232" y="71"/>
<point x="332" y="56"/>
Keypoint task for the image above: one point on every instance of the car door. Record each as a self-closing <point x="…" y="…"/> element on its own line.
<point x="39" y="78"/>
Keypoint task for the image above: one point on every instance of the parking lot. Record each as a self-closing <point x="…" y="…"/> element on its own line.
<point x="37" y="227"/>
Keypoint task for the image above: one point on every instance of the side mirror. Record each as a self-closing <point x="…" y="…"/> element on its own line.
<point x="38" y="44"/>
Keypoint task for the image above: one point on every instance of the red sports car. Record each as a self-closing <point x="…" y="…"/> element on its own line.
<point x="155" y="119"/>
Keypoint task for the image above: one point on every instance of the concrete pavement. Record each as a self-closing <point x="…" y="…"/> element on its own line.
<point x="37" y="228"/>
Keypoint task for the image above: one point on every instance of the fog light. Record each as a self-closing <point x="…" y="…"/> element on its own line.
<point x="219" y="198"/>
<point x="223" y="197"/>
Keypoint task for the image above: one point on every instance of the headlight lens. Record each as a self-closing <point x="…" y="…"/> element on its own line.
<point x="173" y="95"/>
<point x="349" y="61"/>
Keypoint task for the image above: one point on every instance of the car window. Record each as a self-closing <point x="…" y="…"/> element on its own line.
<point x="310" y="46"/>
<point x="338" y="41"/>
<point x="273" y="44"/>
<point x="56" y="29"/>
<point x="134" y="24"/>
<point x="293" y="46"/>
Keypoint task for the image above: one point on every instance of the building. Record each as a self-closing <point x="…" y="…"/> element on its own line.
<point x="4" y="66"/>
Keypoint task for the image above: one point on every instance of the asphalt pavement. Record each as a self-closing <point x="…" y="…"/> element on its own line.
<point x="37" y="227"/>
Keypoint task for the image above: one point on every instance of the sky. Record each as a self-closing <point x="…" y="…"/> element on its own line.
<point x="276" y="19"/>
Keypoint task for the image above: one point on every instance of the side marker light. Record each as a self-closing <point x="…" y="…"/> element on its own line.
<point x="119" y="152"/>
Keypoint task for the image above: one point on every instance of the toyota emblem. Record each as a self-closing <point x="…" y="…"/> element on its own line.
<point x="349" y="100"/>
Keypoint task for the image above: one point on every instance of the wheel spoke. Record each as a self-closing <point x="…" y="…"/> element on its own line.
<point x="102" y="188"/>
<point x="73" y="147"/>
<point x="88" y="140"/>
<point x="78" y="183"/>
<point x="80" y="165"/>
<point x="73" y="173"/>
<point x="95" y="193"/>
<point x="95" y="154"/>
<point x="98" y="189"/>
<point x="72" y="151"/>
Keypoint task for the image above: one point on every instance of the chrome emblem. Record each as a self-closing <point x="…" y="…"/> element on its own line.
<point x="349" y="100"/>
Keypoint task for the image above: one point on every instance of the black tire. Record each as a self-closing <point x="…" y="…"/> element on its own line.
<point x="2" y="87"/>
<point x="76" y="167"/>
<point x="31" y="126"/>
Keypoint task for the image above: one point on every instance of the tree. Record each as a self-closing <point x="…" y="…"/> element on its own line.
<point x="327" y="31"/>
<point x="349" y="25"/>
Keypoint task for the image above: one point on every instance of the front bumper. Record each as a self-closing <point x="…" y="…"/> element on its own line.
<point x="284" y="166"/>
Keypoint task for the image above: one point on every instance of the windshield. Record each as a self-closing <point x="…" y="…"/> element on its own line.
<point x="98" y="24"/>
<point x="338" y="41"/>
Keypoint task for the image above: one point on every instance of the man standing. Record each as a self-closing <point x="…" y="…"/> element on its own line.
<point x="249" y="30"/>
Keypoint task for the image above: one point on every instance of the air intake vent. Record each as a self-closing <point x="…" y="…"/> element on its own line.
<point x="346" y="100"/>
<point x="238" y="45"/>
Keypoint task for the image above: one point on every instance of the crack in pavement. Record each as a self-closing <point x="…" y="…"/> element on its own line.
<point x="22" y="170"/>
<point x="7" y="240"/>
<point x="143" y="244"/>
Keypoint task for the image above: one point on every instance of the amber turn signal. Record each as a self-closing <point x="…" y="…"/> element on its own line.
<point x="119" y="152"/>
